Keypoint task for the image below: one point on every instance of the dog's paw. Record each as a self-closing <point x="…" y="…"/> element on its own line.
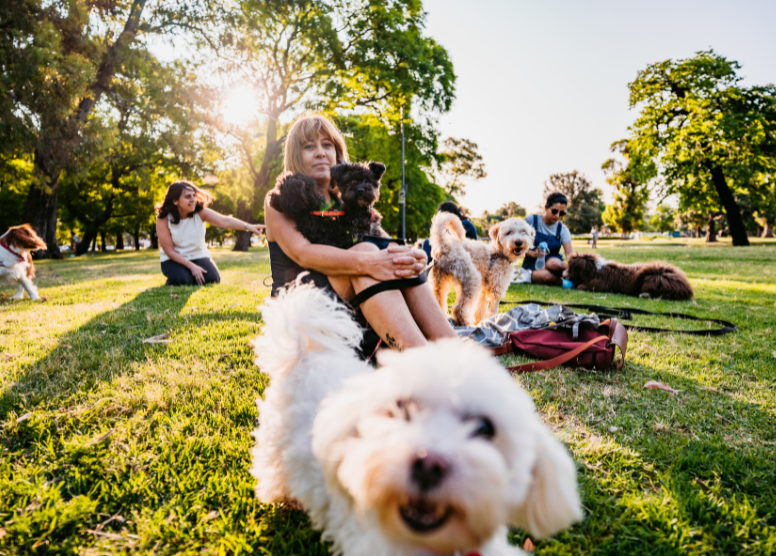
<point x="644" y="295"/>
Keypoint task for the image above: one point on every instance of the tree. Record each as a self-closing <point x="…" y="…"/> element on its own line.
<point x="698" y="125"/>
<point x="626" y="213"/>
<point x="585" y="202"/>
<point x="765" y="212"/>
<point x="507" y="210"/>
<point x="460" y="159"/>
<point x="60" y="58"/>
<point x="326" y="55"/>
<point x="369" y="138"/>
<point x="664" y="219"/>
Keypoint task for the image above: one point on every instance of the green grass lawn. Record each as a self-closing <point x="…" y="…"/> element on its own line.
<point x="110" y="445"/>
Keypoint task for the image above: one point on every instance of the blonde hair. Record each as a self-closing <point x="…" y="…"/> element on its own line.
<point x="306" y="129"/>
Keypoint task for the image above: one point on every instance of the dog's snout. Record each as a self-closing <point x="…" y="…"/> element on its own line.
<point x="518" y="243"/>
<point x="360" y="191"/>
<point x="428" y="470"/>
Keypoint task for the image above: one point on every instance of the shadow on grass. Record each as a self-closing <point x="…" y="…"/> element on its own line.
<point x="105" y="347"/>
<point x="675" y="476"/>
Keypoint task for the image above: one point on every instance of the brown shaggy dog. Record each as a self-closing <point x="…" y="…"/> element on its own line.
<point x="656" y="279"/>
<point x="16" y="261"/>
<point x="479" y="273"/>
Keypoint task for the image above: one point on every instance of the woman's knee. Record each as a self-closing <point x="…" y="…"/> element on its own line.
<point x="365" y="246"/>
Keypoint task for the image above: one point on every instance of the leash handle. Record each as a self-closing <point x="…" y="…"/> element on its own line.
<point x="555" y="361"/>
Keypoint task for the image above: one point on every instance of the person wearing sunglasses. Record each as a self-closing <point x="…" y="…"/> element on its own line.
<point x="550" y="230"/>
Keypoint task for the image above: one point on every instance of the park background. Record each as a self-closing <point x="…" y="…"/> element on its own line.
<point x="114" y="445"/>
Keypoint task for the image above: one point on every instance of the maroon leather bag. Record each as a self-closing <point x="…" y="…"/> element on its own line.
<point x="593" y="349"/>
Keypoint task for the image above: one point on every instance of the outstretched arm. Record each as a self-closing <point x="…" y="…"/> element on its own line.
<point x="220" y="221"/>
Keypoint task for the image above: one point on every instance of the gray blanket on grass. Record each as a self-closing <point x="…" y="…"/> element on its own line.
<point x="493" y="331"/>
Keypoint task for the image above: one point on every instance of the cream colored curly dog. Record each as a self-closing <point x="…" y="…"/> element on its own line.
<point x="479" y="273"/>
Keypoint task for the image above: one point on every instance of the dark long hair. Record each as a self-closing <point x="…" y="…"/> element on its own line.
<point x="452" y="208"/>
<point x="556" y="197"/>
<point x="174" y="192"/>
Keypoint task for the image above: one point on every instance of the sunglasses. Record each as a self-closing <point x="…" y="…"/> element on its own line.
<point x="556" y="211"/>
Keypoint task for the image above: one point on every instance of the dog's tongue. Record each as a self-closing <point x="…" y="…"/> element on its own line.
<point x="422" y="516"/>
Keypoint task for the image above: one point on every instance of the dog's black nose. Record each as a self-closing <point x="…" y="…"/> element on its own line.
<point x="428" y="470"/>
<point x="518" y="243"/>
<point x="360" y="191"/>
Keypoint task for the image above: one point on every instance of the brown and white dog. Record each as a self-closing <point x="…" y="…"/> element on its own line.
<point x="655" y="279"/>
<point x="15" y="259"/>
<point x="479" y="273"/>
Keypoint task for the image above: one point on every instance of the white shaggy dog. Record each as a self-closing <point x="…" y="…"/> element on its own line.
<point x="15" y="260"/>
<point x="479" y="273"/>
<point x="435" y="453"/>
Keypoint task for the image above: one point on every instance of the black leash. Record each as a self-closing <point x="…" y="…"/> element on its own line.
<point x="397" y="284"/>
<point x="626" y="313"/>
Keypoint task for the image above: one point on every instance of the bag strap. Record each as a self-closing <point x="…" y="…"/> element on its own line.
<point x="555" y="361"/>
<point x="628" y="312"/>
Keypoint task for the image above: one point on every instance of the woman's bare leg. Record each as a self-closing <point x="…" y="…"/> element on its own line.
<point x="427" y="313"/>
<point x="387" y="312"/>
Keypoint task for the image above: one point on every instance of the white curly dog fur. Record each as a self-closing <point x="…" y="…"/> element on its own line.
<point x="479" y="273"/>
<point x="434" y="453"/>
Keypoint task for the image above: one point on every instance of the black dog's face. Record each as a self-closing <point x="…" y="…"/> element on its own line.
<point x="358" y="183"/>
<point x="582" y="268"/>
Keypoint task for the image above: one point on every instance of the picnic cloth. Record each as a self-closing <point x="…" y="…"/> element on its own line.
<point x="494" y="331"/>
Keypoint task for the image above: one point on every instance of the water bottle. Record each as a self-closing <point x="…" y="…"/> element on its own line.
<point x="540" y="260"/>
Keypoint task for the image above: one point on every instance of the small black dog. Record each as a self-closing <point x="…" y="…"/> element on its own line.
<point x="359" y="187"/>
<point x="298" y="197"/>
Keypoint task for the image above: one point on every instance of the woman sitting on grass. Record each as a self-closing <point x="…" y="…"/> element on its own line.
<point x="402" y="318"/>
<point x="180" y="226"/>
<point x="549" y="230"/>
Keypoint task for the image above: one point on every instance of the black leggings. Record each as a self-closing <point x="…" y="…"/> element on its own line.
<point x="179" y="275"/>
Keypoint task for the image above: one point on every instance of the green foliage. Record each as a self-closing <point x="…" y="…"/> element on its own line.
<point x="585" y="202"/>
<point x="664" y="219"/>
<point x="15" y="180"/>
<point x="369" y="138"/>
<point x="626" y="213"/>
<point x="460" y="159"/>
<point x="703" y="133"/>
<point x="507" y="210"/>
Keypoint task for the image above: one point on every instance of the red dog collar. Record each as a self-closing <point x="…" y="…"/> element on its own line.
<point x="4" y="245"/>
<point x="328" y="213"/>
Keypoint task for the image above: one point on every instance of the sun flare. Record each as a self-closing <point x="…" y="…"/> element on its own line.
<point x="240" y="105"/>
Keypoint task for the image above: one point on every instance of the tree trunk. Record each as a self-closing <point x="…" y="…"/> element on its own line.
<point x="40" y="210"/>
<point x="102" y="241"/>
<point x="154" y="239"/>
<point x="94" y="243"/>
<point x="260" y="183"/>
<point x="54" y="150"/>
<point x="136" y="237"/>
<point x="86" y="242"/>
<point x="120" y="240"/>
<point x="732" y="210"/>
<point x="768" y="230"/>
<point x="711" y="231"/>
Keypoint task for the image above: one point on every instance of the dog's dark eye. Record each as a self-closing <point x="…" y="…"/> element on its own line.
<point x="484" y="428"/>
<point x="402" y="409"/>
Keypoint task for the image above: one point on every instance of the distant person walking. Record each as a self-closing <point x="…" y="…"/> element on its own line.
<point x="452" y="208"/>
<point x="549" y="230"/>
<point x="594" y="233"/>
<point x="180" y="226"/>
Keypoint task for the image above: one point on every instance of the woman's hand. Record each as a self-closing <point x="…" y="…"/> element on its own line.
<point x="199" y="273"/>
<point x="397" y="261"/>
<point x="254" y="228"/>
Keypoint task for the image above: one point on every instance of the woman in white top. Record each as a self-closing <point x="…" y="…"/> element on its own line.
<point x="180" y="226"/>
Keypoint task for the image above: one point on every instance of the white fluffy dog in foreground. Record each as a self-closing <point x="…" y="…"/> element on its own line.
<point x="434" y="453"/>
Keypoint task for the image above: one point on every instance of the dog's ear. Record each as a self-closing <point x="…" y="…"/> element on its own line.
<point x="337" y="173"/>
<point x="378" y="169"/>
<point x="493" y="232"/>
<point x="552" y="502"/>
